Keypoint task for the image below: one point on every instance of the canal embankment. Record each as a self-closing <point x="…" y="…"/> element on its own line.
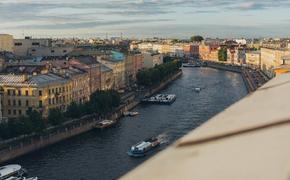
<point x="22" y="145"/>
<point x="253" y="78"/>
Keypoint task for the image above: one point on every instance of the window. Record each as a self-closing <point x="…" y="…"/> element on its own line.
<point x="9" y="111"/>
<point x="52" y="51"/>
<point x="49" y="91"/>
<point x="19" y="92"/>
<point x="40" y="104"/>
<point x="18" y="44"/>
<point x="26" y="93"/>
<point x="14" y="112"/>
<point x="49" y="101"/>
<point x="14" y="102"/>
<point x="40" y="93"/>
<point x="9" y="102"/>
<point x="64" y="51"/>
<point x="14" y="93"/>
<point x="19" y="102"/>
<point x="53" y="101"/>
<point x="33" y="50"/>
<point x="19" y="112"/>
<point x="35" y="44"/>
<point x="27" y="103"/>
<point x="8" y="92"/>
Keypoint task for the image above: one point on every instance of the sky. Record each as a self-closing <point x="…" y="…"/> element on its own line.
<point x="145" y="18"/>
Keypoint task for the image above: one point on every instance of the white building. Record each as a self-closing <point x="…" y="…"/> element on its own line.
<point x="22" y="46"/>
<point x="152" y="59"/>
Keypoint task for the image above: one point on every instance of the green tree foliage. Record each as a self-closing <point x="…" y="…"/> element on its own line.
<point x="23" y="125"/>
<point x="222" y="54"/>
<point x="196" y="38"/>
<point x="101" y="103"/>
<point x="55" y="116"/>
<point x="153" y="76"/>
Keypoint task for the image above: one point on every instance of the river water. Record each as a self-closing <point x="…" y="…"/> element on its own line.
<point x="101" y="154"/>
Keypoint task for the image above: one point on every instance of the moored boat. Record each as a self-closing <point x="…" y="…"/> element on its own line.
<point x="14" y="172"/>
<point x="140" y="149"/>
<point x="105" y="124"/>
<point x="128" y="113"/>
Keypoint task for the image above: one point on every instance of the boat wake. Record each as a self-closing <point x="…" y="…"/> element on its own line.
<point x="163" y="138"/>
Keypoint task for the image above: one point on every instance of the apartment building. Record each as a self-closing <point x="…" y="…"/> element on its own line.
<point x="6" y="43"/>
<point x="272" y="58"/>
<point x="151" y="59"/>
<point x="41" y="92"/>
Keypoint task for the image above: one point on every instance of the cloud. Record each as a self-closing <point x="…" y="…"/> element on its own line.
<point x="84" y="25"/>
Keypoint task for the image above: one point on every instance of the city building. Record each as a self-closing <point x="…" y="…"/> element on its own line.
<point x="23" y="46"/>
<point x="253" y="58"/>
<point x="92" y="67"/>
<point x="208" y="52"/>
<point x="272" y="58"/>
<point x="116" y="62"/>
<point x="6" y="43"/>
<point x="133" y="63"/>
<point x="151" y="59"/>
<point x="56" y="51"/>
<point x="107" y="78"/>
<point x="41" y="92"/>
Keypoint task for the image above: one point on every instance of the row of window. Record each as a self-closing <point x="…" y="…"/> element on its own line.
<point x="13" y="103"/>
<point x="59" y="90"/>
<point x="14" y="112"/>
<point x="11" y="92"/>
<point x="19" y="103"/>
<point x="33" y="44"/>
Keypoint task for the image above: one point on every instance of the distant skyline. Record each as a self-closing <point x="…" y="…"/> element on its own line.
<point x="145" y="18"/>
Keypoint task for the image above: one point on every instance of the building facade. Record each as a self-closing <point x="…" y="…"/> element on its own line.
<point x="6" y="43"/>
<point x="272" y="58"/>
<point x="151" y="59"/>
<point x="253" y="58"/>
<point x="42" y="92"/>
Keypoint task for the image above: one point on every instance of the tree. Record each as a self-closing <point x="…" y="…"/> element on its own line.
<point x="55" y="116"/>
<point x="196" y="38"/>
<point x="36" y="120"/>
<point x="222" y="54"/>
<point x="73" y="110"/>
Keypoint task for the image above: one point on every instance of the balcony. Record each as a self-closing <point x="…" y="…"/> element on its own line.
<point x="247" y="141"/>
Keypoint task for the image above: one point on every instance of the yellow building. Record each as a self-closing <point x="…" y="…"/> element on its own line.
<point x="253" y="58"/>
<point x="107" y="78"/>
<point x="41" y="92"/>
<point x="6" y="42"/>
<point x="271" y="59"/>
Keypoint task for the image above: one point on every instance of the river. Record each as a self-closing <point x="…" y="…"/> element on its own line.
<point x="101" y="154"/>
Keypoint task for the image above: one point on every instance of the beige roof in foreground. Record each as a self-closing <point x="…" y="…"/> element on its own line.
<point x="248" y="141"/>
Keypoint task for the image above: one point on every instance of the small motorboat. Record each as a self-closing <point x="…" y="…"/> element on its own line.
<point x="105" y="124"/>
<point x="197" y="89"/>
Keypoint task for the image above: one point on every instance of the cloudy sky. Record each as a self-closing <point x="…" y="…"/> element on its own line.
<point x="145" y="18"/>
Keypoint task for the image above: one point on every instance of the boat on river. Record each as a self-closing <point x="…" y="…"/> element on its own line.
<point x="142" y="148"/>
<point x="14" y="172"/>
<point x="191" y="65"/>
<point x="160" y="99"/>
<point x="129" y="113"/>
<point x="105" y="124"/>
